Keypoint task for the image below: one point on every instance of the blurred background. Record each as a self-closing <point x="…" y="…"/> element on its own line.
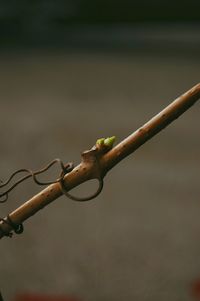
<point x="75" y="71"/>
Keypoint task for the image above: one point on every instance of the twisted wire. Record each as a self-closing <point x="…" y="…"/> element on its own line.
<point x="18" y="228"/>
<point x="65" y="168"/>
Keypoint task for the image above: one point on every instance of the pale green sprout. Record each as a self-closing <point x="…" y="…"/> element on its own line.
<point x="100" y="141"/>
<point x="108" y="142"/>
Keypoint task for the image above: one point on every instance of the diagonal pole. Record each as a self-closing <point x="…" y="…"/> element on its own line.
<point x="86" y="170"/>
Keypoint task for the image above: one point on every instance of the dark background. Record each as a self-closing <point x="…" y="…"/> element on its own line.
<point x="75" y="71"/>
<point x="54" y="23"/>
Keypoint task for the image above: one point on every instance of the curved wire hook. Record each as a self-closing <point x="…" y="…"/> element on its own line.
<point x="5" y="199"/>
<point x="81" y="199"/>
<point x="65" y="169"/>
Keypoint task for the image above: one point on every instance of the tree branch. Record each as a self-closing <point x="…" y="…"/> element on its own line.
<point x="96" y="164"/>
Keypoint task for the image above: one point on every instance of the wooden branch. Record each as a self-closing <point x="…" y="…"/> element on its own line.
<point x="95" y="164"/>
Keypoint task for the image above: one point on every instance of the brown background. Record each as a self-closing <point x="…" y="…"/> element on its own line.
<point x="139" y="240"/>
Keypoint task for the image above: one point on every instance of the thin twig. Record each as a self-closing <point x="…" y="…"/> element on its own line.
<point x="92" y="166"/>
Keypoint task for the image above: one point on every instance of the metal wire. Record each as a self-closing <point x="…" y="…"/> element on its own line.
<point x="65" y="168"/>
<point x="18" y="228"/>
<point x="82" y="199"/>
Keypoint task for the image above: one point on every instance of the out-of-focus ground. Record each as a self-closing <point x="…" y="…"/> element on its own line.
<point x="139" y="240"/>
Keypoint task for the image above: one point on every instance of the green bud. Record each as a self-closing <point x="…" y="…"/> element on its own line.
<point x="100" y="141"/>
<point x="109" y="141"/>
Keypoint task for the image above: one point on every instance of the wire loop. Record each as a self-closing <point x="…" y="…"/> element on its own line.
<point x="82" y="199"/>
<point x="65" y="168"/>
